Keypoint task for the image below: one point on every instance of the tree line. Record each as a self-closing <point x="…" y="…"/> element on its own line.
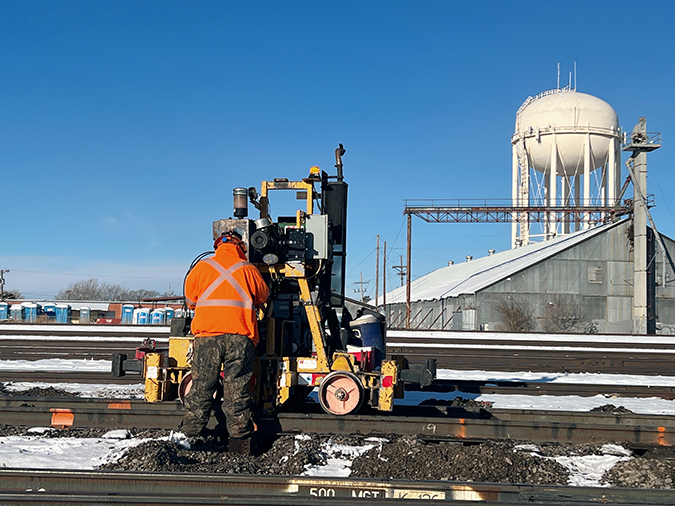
<point x="93" y="289"/>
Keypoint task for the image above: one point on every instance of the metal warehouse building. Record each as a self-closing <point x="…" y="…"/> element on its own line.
<point x="580" y="282"/>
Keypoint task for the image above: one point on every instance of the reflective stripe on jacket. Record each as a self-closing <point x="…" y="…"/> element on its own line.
<point x="224" y="290"/>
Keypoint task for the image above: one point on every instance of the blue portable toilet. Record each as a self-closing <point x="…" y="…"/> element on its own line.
<point x="49" y="310"/>
<point x="16" y="312"/>
<point x="85" y="314"/>
<point x="63" y="313"/>
<point x="143" y="316"/>
<point x="157" y="317"/>
<point x="127" y="314"/>
<point x="4" y="310"/>
<point x="168" y="315"/>
<point x="30" y="312"/>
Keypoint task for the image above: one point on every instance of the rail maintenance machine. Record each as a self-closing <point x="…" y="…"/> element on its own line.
<point x="308" y="338"/>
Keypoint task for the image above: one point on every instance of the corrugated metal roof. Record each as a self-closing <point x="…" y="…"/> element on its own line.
<point x="94" y="306"/>
<point x="471" y="277"/>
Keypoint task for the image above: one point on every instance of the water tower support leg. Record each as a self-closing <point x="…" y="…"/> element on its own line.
<point x="587" y="178"/>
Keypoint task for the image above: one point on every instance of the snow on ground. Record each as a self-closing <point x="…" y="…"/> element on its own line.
<point x="551" y="377"/>
<point x="137" y="340"/>
<point x="482" y="335"/>
<point x="89" y="390"/>
<point x="56" y="364"/>
<point x="339" y="457"/>
<point x="517" y="347"/>
<point x="587" y="470"/>
<point x="37" y="452"/>
<point x="160" y="330"/>
<point x="650" y="405"/>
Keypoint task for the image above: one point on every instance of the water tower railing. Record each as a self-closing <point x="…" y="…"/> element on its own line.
<point x="536" y="132"/>
<point x="641" y="140"/>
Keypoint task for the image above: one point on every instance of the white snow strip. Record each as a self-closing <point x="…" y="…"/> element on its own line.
<point x="587" y="471"/>
<point x="36" y="452"/>
<point x="44" y="365"/>
<point x="522" y="347"/>
<point x="115" y="339"/>
<point x="651" y="405"/>
<point x="539" y="337"/>
<point x="33" y="452"/>
<point x="339" y="458"/>
<point x="97" y="391"/>
<point x="150" y="329"/>
<point x="551" y="377"/>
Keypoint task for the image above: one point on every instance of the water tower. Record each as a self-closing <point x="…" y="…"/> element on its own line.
<point x="565" y="154"/>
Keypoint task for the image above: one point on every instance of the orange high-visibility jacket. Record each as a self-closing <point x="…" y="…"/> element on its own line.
<point x="224" y="290"/>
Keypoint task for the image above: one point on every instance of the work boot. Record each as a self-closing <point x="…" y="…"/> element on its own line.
<point x="240" y="446"/>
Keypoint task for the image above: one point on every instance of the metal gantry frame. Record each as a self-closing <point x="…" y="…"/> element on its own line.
<point x="492" y="211"/>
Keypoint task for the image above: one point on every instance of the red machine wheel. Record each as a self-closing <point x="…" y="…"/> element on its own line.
<point x="186" y="385"/>
<point x="341" y="393"/>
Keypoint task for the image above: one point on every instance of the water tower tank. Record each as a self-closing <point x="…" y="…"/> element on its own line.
<point x="565" y="155"/>
<point x="572" y="116"/>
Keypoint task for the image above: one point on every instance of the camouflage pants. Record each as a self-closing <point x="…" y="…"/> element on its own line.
<point x="235" y="353"/>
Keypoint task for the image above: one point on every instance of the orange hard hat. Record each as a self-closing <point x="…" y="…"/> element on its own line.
<point x="232" y="237"/>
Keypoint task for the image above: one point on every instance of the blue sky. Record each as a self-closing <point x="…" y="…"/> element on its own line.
<point x="124" y="126"/>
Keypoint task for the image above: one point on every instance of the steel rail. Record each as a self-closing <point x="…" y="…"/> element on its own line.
<point x="455" y="351"/>
<point x="434" y="422"/>
<point x="75" y="329"/>
<point x="502" y="387"/>
<point x="544" y="388"/>
<point x="42" y="487"/>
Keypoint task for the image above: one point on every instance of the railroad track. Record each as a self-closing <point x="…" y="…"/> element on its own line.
<point x="433" y="422"/>
<point x="615" y="354"/>
<point x="650" y="355"/>
<point x="510" y="387"/>
<point x="41" y="488"/>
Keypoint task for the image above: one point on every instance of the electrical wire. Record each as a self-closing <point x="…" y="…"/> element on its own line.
<point x="192" y="266"/>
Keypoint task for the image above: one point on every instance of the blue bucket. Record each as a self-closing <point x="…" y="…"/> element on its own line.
<point x="367" y="328"/>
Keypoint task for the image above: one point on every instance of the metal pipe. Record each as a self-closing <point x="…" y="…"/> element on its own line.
<point x="407" y="286"/>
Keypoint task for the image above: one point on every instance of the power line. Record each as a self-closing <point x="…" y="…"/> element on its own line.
<point x="96" y="275"/>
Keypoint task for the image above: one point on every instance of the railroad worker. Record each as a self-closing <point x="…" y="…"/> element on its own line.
<point x="224" y="291"/>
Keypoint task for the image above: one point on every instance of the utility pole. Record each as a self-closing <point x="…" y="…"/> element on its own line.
<point x="384" y="284"/>
<point x="408" y="273"/>
<point x="401" y="270"/>
<point x="377" y="272"/>
<point x="2" y="283"/>
<point x="361" y="287"/>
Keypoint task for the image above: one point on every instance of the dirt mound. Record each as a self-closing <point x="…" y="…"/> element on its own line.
<point x="611" y="408"/>
<point x="36" y="392"/>
<point x="412" y="459"/>
<point x="642" y="473"/>
<point x="457" y="402"/>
